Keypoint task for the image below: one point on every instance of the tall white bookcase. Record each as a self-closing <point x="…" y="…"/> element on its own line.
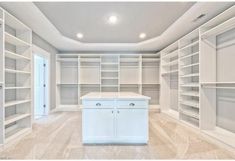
<point x="206" y="79"/>
<point x="169" y="80"/>
<point x="16" y="93"/>
<point x="79" y="74"/>
<point x="189" y="78"/>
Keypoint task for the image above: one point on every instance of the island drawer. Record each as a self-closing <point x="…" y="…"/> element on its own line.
<point x="133" y="103"/>
<point x="97" y="103"/>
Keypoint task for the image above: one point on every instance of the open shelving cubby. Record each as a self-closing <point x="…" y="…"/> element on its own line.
<point x="189" y="78"/>
<point x="216" y="79"/>
<point x="17" y="77"/>
<point x="130" y="74"/>
<point x="169" y="80"/>
<point x="89" y="74"/>
<point x="67" y="67"/>
<point x="150" y="78"/>
<point x="109" y="66"/>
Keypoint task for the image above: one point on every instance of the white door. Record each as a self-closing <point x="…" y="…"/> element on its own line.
<point x="99" y="125"/>
<point x="132" y="124"/>
<point x="40" y="86"/>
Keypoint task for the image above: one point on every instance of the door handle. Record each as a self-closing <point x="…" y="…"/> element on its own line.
<point x="131" y="104"/>
<point x="98" y="104"/>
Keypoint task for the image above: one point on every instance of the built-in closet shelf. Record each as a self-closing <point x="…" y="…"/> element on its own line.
<point x="221" y="28"/>
<point x="192" y="103"/>
<point x="190" y="113"/>
<point x="189" y="55"/>
<point x="129" y="60"/>
<point x="13" y="55"/>
<point x="106" y="85"/>
<point x="190" y="75"/>
<point x="14" y="118"/>
<point x="109" y="71"/>
<point x="175" y="62"/>
<point x="16" y="71"/>
<point x="109" y="78"/>
<point x="171" y="55"/>
<point x="170" y="72"/>
<point x="15" y="132"/>
<point x="189" y="66"/>
<point x="190" y="45"/>
<point x="150" y="60"/>
<point x="67" y="84"/>
<point x="218" y="85"/>
<point x="190" y="93"/>
<point x="214" y="83"/>
<point x="15" y="41"/>
<point x="9" y="88"/>
<point x="151" y="83"/>
<point x="17" y="102"/>
<point x="190" y="85"/>
<point x="90" y="60"/>
<point x="109" y="63"/>
<point x="67" y="60"/>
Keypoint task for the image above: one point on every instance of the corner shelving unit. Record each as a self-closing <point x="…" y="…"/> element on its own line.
<point x="189" y="78"/>
<point x="16" y="114"/>
<point x="217" y="79"/>
<point x="169" y="80"/>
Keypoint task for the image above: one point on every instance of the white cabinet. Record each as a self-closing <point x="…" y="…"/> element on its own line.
<point x="132" y="125"/>
<point x="98" y="124"/>
<point x="119" y="117"/>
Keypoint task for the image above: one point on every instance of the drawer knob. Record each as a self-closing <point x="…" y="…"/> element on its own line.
<point x="98" y="104"/>
<point x="131" y="104"/>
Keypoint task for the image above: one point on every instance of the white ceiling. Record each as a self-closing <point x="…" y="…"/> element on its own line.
<point x="32" y="16"/>
<point x="133" y="18"/>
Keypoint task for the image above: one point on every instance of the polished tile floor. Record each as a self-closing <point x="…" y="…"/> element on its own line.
<point x="59" y="137"/>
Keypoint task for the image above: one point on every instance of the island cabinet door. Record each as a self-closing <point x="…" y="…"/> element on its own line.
<point x="98" y="125"/>
<point x="132" y="125"/>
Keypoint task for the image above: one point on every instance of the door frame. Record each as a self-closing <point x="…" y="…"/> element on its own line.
<point x="43" y="53"/>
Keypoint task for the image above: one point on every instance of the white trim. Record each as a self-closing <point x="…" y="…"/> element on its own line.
<point x="43" y="53"/>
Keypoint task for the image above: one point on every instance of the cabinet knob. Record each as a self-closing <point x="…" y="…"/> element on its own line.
<point x="98" y="104"/>
<point x="131" y="104"/>
<point x="112" y="111"/>
<point x="118" y="111"/>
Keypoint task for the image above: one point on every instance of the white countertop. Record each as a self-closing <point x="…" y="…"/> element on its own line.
<point x="113" y="95"/>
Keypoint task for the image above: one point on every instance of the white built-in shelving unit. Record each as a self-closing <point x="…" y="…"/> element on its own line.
<point x="15" y="78"/>
<point x="79" y="74"/>
<point x="206" y="78"/>
<point x="169" y="80"/>
<point x="110" y="73"/>
<point x="217" y="78"/>
<point x="189" y="78"/>
<point x="150" y="78"/>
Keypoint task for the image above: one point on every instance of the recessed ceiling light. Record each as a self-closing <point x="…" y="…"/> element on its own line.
<point x="142" y="35"/>
<point x="79" y="35"/>
<point x="112" y="19"/>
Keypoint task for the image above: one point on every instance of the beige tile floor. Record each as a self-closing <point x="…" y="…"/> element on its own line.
<point x="59" y="137"/>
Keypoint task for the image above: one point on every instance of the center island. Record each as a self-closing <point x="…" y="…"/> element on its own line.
<point x="115" y="117"/>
